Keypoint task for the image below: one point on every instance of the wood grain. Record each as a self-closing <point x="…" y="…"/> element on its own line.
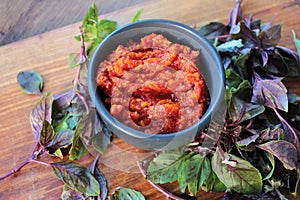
<point x="24" y="18"/>
<point x="47" y="53"/>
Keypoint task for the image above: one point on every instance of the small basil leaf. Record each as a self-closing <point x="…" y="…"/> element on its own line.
<point x="47" y="133"/>
<point x="78" y="148"/>
<point x="270" y="37"/>
<point x="126" y="194"/>
<point x="270" y="92"/>
<point x="75" y="59"/>
<point x="136" y="18"/>
<point x="77" y="178"/>
<point x="242" y="31"/>
<point x="230" y="46"/>
<point x="41" y="111"/>
<point x="30" y="82"/>
<point x="296" y="41"/>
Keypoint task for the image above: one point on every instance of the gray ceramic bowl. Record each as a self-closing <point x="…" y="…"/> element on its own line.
<point x="208" y="63"/>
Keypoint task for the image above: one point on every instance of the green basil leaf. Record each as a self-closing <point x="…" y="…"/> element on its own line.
<point x="41" y="111"/>
<point x="77" y="178"/>
<point x="30" y="82"/>
<point x="237" y="174"/>
<point x="47" y="133"/>
<point x="136" y="18"/>
<point x="78" y="148"/>
<point x="102" y="182"/>
<point x="75" y="60"/>
<point x="195" y="170"/>
<point x="240" y="110"/>
<point x="165" y="167"/>
<point x="230" y="46"/>
<point x="296" y="41"/>
<point x="213" y="183"/>
<point x="284" y="151"/>
<point x="272" y="161"/>
<point x="126" y="194"/>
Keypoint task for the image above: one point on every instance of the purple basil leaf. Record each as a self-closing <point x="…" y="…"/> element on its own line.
<point x="270" y="37"/>
<point x="100" y="178"/>
<point x="284" y="151"/>
<point x="237" y="15"/>
<point x="247" y="141"/>
<point x="61" y="139"/>
<point x="30" y="82"/>
<point x="41" y="111"/>
<point x="276" y="65"/>
<point x="292" y="60"/>
<point x="242" y="31"/>
<point x="63" y="100"/>
<point x="270" y="92"/>
<point x="69" y="194"/>
<point x="47" y="133"/>
<point x="96" y="134"/>
<point x="77" y="178"/>
<point x="275" y="134"/>
<point x="212" y="29"/>
<point x="264" y="57"/>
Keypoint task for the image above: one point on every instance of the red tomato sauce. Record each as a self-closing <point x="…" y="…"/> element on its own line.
<point x="154" y="86"/>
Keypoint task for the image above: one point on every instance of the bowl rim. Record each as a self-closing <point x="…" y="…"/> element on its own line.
<point x="104" y="113"/>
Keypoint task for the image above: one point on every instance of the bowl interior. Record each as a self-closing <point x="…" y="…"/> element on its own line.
<point x="209" y="65"/>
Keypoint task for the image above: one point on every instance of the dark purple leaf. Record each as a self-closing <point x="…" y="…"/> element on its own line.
<point x="100" y="178"/>
<point x="63" y="100"/>
<point x="247" y="141"/>
<point x="237" y="15"/>
<point x="277" y="65"/>
<point x="41" y="111"/>
<point x="292" y="60"/>
<point x="242" y="31"/>
<point x="30" y="82"/>
<point x="69" y="194"/>
<point x="284" y="151"/>
<point x="61" y="139"/>
<point x="77" y="178"/>
<point x="275" y="134"/>
<point x="270" y="92"/>
<point x="264" y="57"/>
<point x="47" y="133"/>
<point x="270" y="37"/>
<point x="212" y="30"/>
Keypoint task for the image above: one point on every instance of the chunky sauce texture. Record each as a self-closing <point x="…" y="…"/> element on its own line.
<point x="154" y="86"/>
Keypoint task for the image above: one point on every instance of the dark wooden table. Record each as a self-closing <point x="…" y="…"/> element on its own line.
<point x="47" y="53"/>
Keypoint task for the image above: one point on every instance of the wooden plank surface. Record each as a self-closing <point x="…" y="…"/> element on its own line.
<point x="47" y="53"/>
<point x="24" y="18"/>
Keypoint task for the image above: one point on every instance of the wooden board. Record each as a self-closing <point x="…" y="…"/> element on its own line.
<point x="47" y="54"/>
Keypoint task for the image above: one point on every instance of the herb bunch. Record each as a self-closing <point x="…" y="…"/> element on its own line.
<point x="66" y="125"/>
<point x="258" y="153"/>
